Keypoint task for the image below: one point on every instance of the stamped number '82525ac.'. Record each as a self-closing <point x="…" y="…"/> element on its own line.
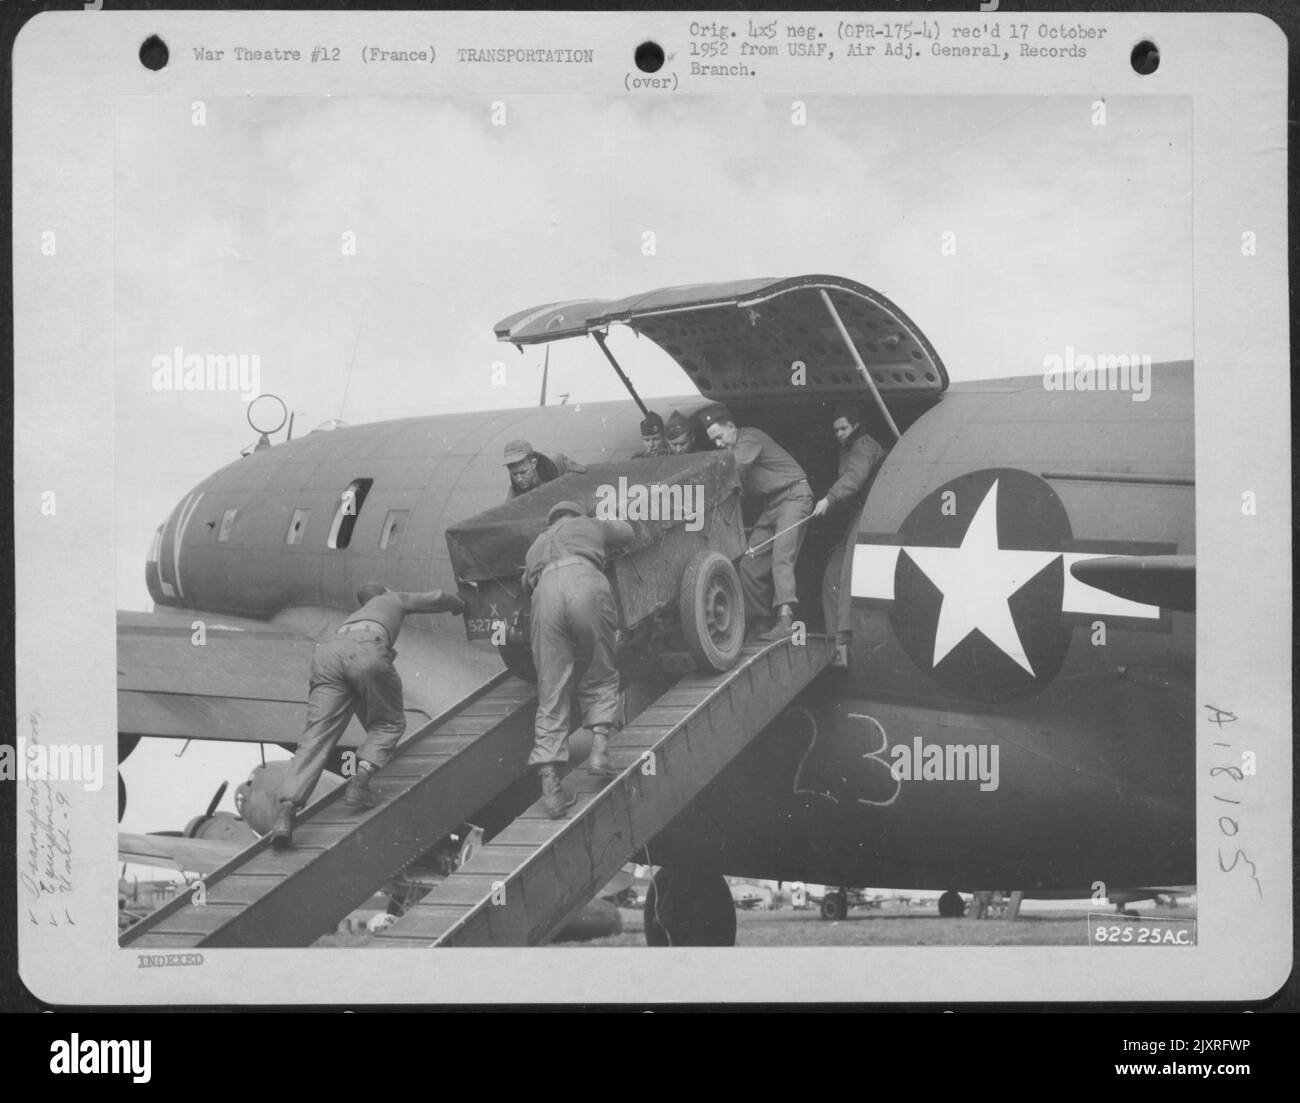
<point x="1119" y="934"/>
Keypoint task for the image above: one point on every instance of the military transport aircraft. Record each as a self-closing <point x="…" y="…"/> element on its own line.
<point x="996" y="687"/>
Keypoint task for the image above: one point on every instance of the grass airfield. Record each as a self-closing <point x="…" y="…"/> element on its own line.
<point x="911" y="926"/>
<point x="1040" y="923"/>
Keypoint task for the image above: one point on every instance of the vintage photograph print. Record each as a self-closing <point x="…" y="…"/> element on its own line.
<point x="542" y="510"/>
<point x="904" y="625"/>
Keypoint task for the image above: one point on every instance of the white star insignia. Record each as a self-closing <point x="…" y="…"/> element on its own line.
<point x="977" y="579"/>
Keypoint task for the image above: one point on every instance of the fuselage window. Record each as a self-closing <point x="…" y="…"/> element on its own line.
<point x="345" y="517"/>
<point x="227" y="523"/>
<point x="296" y="526"/>
<point x="393" y="525"/>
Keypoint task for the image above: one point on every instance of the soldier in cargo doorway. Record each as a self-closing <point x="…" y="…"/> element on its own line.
<point x="679" y="434"/>
<point x="352" y="671"/>
<point x="769" y="474"/>
<point x="574" y="624"/>
<point x="860" y="455"/>
<point x="652" y="438"/>
<point x="530" y="469"/>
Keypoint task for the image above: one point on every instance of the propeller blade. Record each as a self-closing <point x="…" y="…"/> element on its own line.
<point x="216" y="799"/>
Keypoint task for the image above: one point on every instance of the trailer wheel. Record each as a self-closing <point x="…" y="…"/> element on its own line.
<point x="712" y="610"/>
<point x="519" y="661"/>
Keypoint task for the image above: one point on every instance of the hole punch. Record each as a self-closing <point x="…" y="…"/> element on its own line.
<point x="1145" y="58"/>
<point x="649" y="57"/>
<point x="154" y="53"/>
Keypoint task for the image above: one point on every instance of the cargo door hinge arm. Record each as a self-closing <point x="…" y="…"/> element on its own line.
<point x="600" y="340"/>
<point x="857" y="360"/>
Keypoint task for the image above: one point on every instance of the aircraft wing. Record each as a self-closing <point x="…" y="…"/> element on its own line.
<point x="199" y="856"/>
<point x="246" y="682"/>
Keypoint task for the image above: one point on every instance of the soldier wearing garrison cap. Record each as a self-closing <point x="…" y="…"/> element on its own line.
<point x="529" y="469"/>
<point x="680" y="434"/>
<point x="652" y="438"/>
<point x="574" y="628"/>
<point x="770" y="474"/>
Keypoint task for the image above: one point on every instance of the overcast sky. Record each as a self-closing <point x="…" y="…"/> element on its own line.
<point x="229" y="240"/>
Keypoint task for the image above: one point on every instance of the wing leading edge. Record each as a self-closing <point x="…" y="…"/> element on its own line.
<point x="246" y="681"/>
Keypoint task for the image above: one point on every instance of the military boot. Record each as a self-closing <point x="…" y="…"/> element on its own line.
<point x="556" y="799"/>
<point x="598" y="763"/>
<point x="783" y="627"/>
<point x="359" y="795"/>
<point x="282" y="829"/>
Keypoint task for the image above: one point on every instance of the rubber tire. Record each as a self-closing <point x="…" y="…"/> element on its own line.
<point x="835" y="906"/>
<point x="696" y="909"/>
<point x="951" y="905"/>
<point x="519" y="661"/>
<point x="705" y="570"/>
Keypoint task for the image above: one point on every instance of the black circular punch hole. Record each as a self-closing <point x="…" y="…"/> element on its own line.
<point x="649" y="57"/>
<point x="154" y="53"/>
<point x="1145" y="58"/>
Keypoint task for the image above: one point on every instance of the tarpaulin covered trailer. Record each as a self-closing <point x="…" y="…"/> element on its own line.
<point x="686" y="513"/>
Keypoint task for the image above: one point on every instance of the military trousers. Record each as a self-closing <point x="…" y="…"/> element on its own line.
<point x="351" y="672"/>
<point x="574" y="635"/>
<point x="767" y="577"/>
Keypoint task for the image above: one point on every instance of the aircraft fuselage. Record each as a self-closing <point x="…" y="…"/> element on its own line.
<point x="998" y="722"/>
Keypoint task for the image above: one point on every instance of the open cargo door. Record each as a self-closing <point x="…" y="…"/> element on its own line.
<point x="742" y="340"/>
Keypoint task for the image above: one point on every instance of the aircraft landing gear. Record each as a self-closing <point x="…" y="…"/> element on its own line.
<point x="951" y="905"/>
<point x="684" y="908"/>
<point x="835" y="906"/>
